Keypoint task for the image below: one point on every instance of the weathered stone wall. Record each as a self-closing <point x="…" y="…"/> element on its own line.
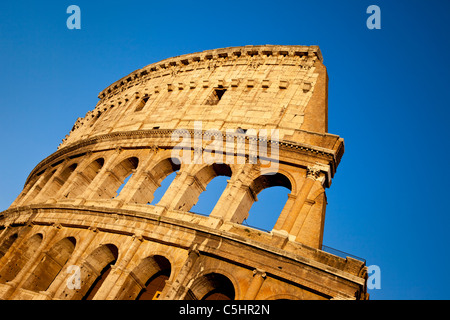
<point x="70" y="212"/>
<point x="282" y="87"/>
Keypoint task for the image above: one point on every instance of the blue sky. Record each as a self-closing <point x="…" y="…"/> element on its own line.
<point x="388" y="98"/>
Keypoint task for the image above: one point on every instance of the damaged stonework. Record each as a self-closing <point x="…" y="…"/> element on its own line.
<point x="87" y="226"/>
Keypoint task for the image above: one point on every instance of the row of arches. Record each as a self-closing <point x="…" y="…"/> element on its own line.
<point x="146" y="281"/>
<point x="165" y="181"/>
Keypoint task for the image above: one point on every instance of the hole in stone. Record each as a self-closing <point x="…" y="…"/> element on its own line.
<point x="216" y="96"/>
<point x="141" y="104"/>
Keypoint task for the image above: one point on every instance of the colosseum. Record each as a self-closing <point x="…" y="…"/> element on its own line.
<point x="85" y="226"/>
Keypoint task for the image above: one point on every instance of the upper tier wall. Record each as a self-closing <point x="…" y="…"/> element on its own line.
<point x="251" y="87"/>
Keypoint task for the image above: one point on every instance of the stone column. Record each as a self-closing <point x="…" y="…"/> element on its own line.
<point x="257" y="281"/>
<point x="49" y="182"/>
<point x="184" y="191"/>
<point x="237" y="198"/>
<point x="141" y="177"/>
<point x="99" y="178"/>
<point x="285" y="212"/>
<point x="3" y="232"/>
<point x="312" y="217"/>
<point x="177" y="288"/>
<point x="312" y="174"/>
<point x="73" y="260"/>
<point x="76" y="174"/>
<point x="239" y="208"/>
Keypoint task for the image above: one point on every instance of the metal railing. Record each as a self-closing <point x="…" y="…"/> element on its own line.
<point x="245" y="223"/>
<point x="341" y="254"/>
<point x="327" y="249"/>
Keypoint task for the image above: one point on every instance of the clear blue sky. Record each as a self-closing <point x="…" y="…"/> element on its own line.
<point x="388" y="98"/>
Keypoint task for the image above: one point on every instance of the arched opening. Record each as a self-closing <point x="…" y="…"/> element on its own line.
<point x="147" y="280"/>
<point x="271" y="193"/>
<point x="93" y="271"/>
<point x="156" y="182"/>
<point x="124" y="183"/>
<point x="50" y="265"/>
<point x="7" y="243"/>
<point x="20" y="258"/>
<point x="199" y="186"/>
<point x="82" y="181"/>
<point x="37" y="187"/>
<point x="264" y="213"/>
<point x="154" y="286"/>
<point x="156" y="283"/>
<point x="208" y="198"/>
<point x="161" y="190"/>
<point x="140" y="104"/>
<point x="99" y="281"/>
<point x="98" y="266"/>
<point x="57" y="182"/>
<point x="213" y="286"/>
<point x="116" y="179"/>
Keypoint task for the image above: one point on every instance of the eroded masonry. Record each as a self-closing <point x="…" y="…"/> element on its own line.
<point x="85" y="225"/>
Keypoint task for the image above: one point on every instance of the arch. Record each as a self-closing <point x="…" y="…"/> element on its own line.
<point x="296" y="293"/>
<point x="97" y="267"/>
<point x="208" y="199"/>
<point x="156" y="182"/>
<point x="37" y="187"/>
<point x="272" y="191"/>
<point x="82" y="181"/>
<point x="115" y="178"/>
<point x="20" y="258"/>
<point x="50" y="265"/>
<point x="147" y="280"/>
<point x="161" y="189"/>
<point x="211" y="286"/>
<point x="164" y="168"/>
<point x="206" y="174"/>
<point x="287" y="178"/>
<point x="265" y="213"/>
<point x="57" y="182"/>
<point x="199" y="182"/>
<point x="7" y="243"/>
<point x="93" y="270"/>
<point x="267" y="181"/>
<point x="283" y="296"/>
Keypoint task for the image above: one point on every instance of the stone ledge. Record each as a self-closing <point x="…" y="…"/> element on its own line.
<point x="349" y="269"/>
<point x="166" y="134"/>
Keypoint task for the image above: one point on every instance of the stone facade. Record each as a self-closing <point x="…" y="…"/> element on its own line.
<point x="71" y="215"/>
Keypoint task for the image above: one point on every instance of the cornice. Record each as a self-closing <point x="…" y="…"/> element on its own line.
<point x="119" y="213"/>
<point x="171" y="64"/>
<point x="118" y="137"/>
